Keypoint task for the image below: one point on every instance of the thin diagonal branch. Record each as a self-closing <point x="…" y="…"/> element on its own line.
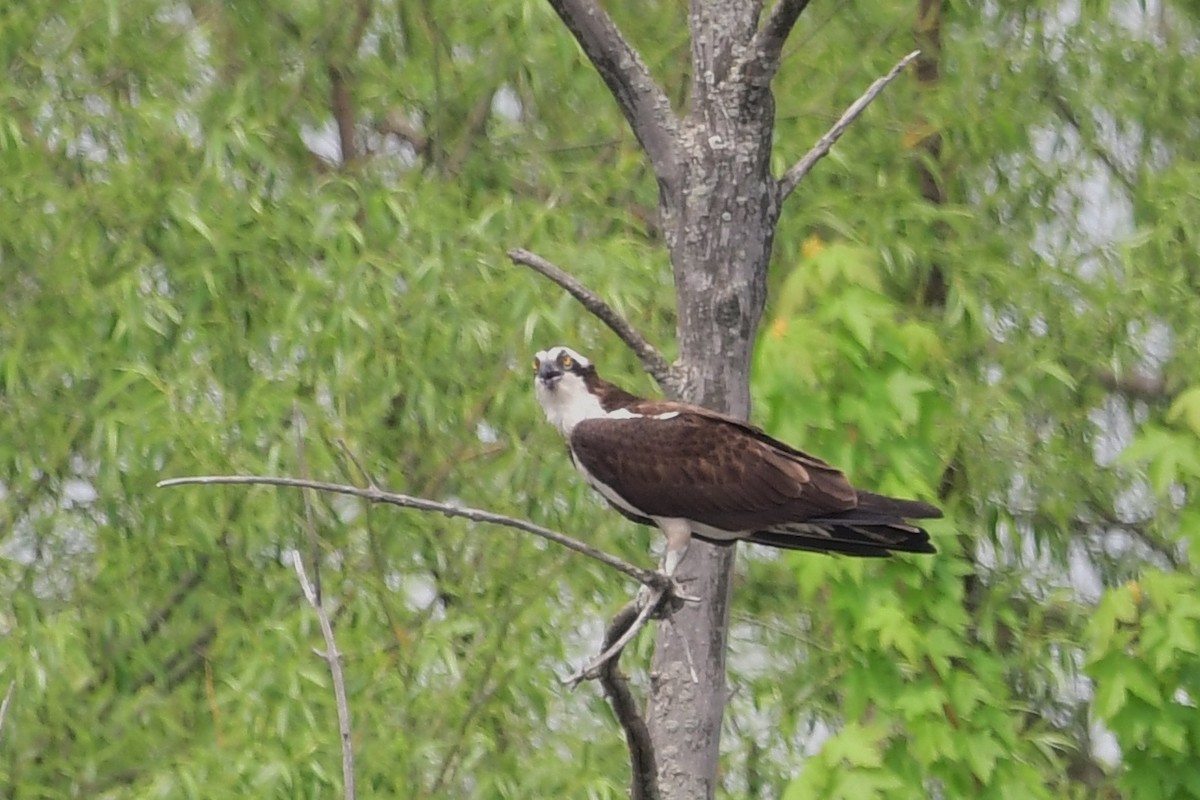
<point x="376" y="495"/>
<point x="642" y="101"/>
<point x="310" y="516"/>
<point x="767" y="46"/>
<point x="652" y="360"/>
<point x="613" y="645"/>
<point x="334" y="657"/>
<point x="643" y="767"/>
<point x="791" y="179"/>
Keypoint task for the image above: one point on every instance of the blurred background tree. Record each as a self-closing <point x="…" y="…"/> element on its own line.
<point x="220" y="212"/>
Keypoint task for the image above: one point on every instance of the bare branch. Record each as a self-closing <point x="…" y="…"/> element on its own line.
<point x="4" y="705"/>
<point x="612" y="649"/>
<point x="652" y="360"/>
<point x="642" y="101"/>
<point x="310" y="517"/>
<point x="342" y="105"/>
<point x="644" y="777"/>
<point x="791" y="179"/>
<point x="376" y="495"/>
<point x="334" y="658"/>
<point x="366" y="476"/>
<point x="768" y="42"/>
<point x="341" y="100"/>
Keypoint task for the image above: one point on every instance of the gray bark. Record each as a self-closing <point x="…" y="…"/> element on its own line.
<point x="719" y="226"/>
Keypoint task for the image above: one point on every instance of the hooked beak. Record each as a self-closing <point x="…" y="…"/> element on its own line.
<point x="548" y="373"/>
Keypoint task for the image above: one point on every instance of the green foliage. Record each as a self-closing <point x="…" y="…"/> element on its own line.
<point x="914" y="700"/>
<point x="194" y="283"/>
<point x="1145" y="661"/>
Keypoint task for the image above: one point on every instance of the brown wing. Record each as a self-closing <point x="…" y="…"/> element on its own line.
<point x="708" y="468"/>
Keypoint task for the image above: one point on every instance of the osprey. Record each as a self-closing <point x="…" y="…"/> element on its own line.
<point x="696" y="472"/>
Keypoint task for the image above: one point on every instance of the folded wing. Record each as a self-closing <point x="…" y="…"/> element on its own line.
<point x="672" y="460"/>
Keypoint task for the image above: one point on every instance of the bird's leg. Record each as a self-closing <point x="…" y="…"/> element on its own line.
<point x="679" y="535"/>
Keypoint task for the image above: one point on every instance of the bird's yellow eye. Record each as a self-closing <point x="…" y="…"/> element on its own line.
<point x="535" y="365"/>
<point x="567" y="362"/>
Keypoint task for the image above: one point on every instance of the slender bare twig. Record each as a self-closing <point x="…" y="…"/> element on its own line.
<point x="613" y="649"/>
<point x="310" y="520"/>
<point x="334" y="659"/>
<point x="642" y="101"/>
<point x="644" y="771"/>
<point x="366" y="476"/>
<point x="652" y="360"/>
<point x="376" y="495"/>
<point x="791" y="179"/>
<point x="4" y="705"/>
<point x="768" y="42"/>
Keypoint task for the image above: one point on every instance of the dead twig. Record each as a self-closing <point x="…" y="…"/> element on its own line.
<point x="310" y="517"/>
<point x="376" y="495"/>
<point x="612" y="649"/>
<point x="334" y="658"/>
<point x="652" y="360"/>
<point x="791" y="179"/>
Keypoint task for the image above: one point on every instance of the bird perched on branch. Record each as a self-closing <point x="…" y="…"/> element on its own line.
<point x="695" y="472"/>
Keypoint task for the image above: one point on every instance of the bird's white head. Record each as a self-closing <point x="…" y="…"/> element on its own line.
<point x="561" y="383"/>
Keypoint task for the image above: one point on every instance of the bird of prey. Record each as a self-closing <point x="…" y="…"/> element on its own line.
<point x="695" y="472"/>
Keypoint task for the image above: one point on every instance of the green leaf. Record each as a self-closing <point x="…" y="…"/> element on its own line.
<point x="855" y="746"/>
<point x="1171" y="734"/>
<point x="1140" y="682"/>
<point x="1110" y="693"/>
<point x="1186" y="409"/>
<point x="904" y="390"/>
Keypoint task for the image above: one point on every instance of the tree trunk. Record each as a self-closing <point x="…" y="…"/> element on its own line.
<point x="719" y="217"/>
<point x="719" y="206"/>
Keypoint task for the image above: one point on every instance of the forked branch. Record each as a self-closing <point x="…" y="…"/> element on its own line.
<point x="652" y="360"/>
<point x="767" y="47"/>
<point x="791" y="179"/>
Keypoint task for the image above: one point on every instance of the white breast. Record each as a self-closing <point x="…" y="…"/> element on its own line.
<point x="568" y="403"/>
